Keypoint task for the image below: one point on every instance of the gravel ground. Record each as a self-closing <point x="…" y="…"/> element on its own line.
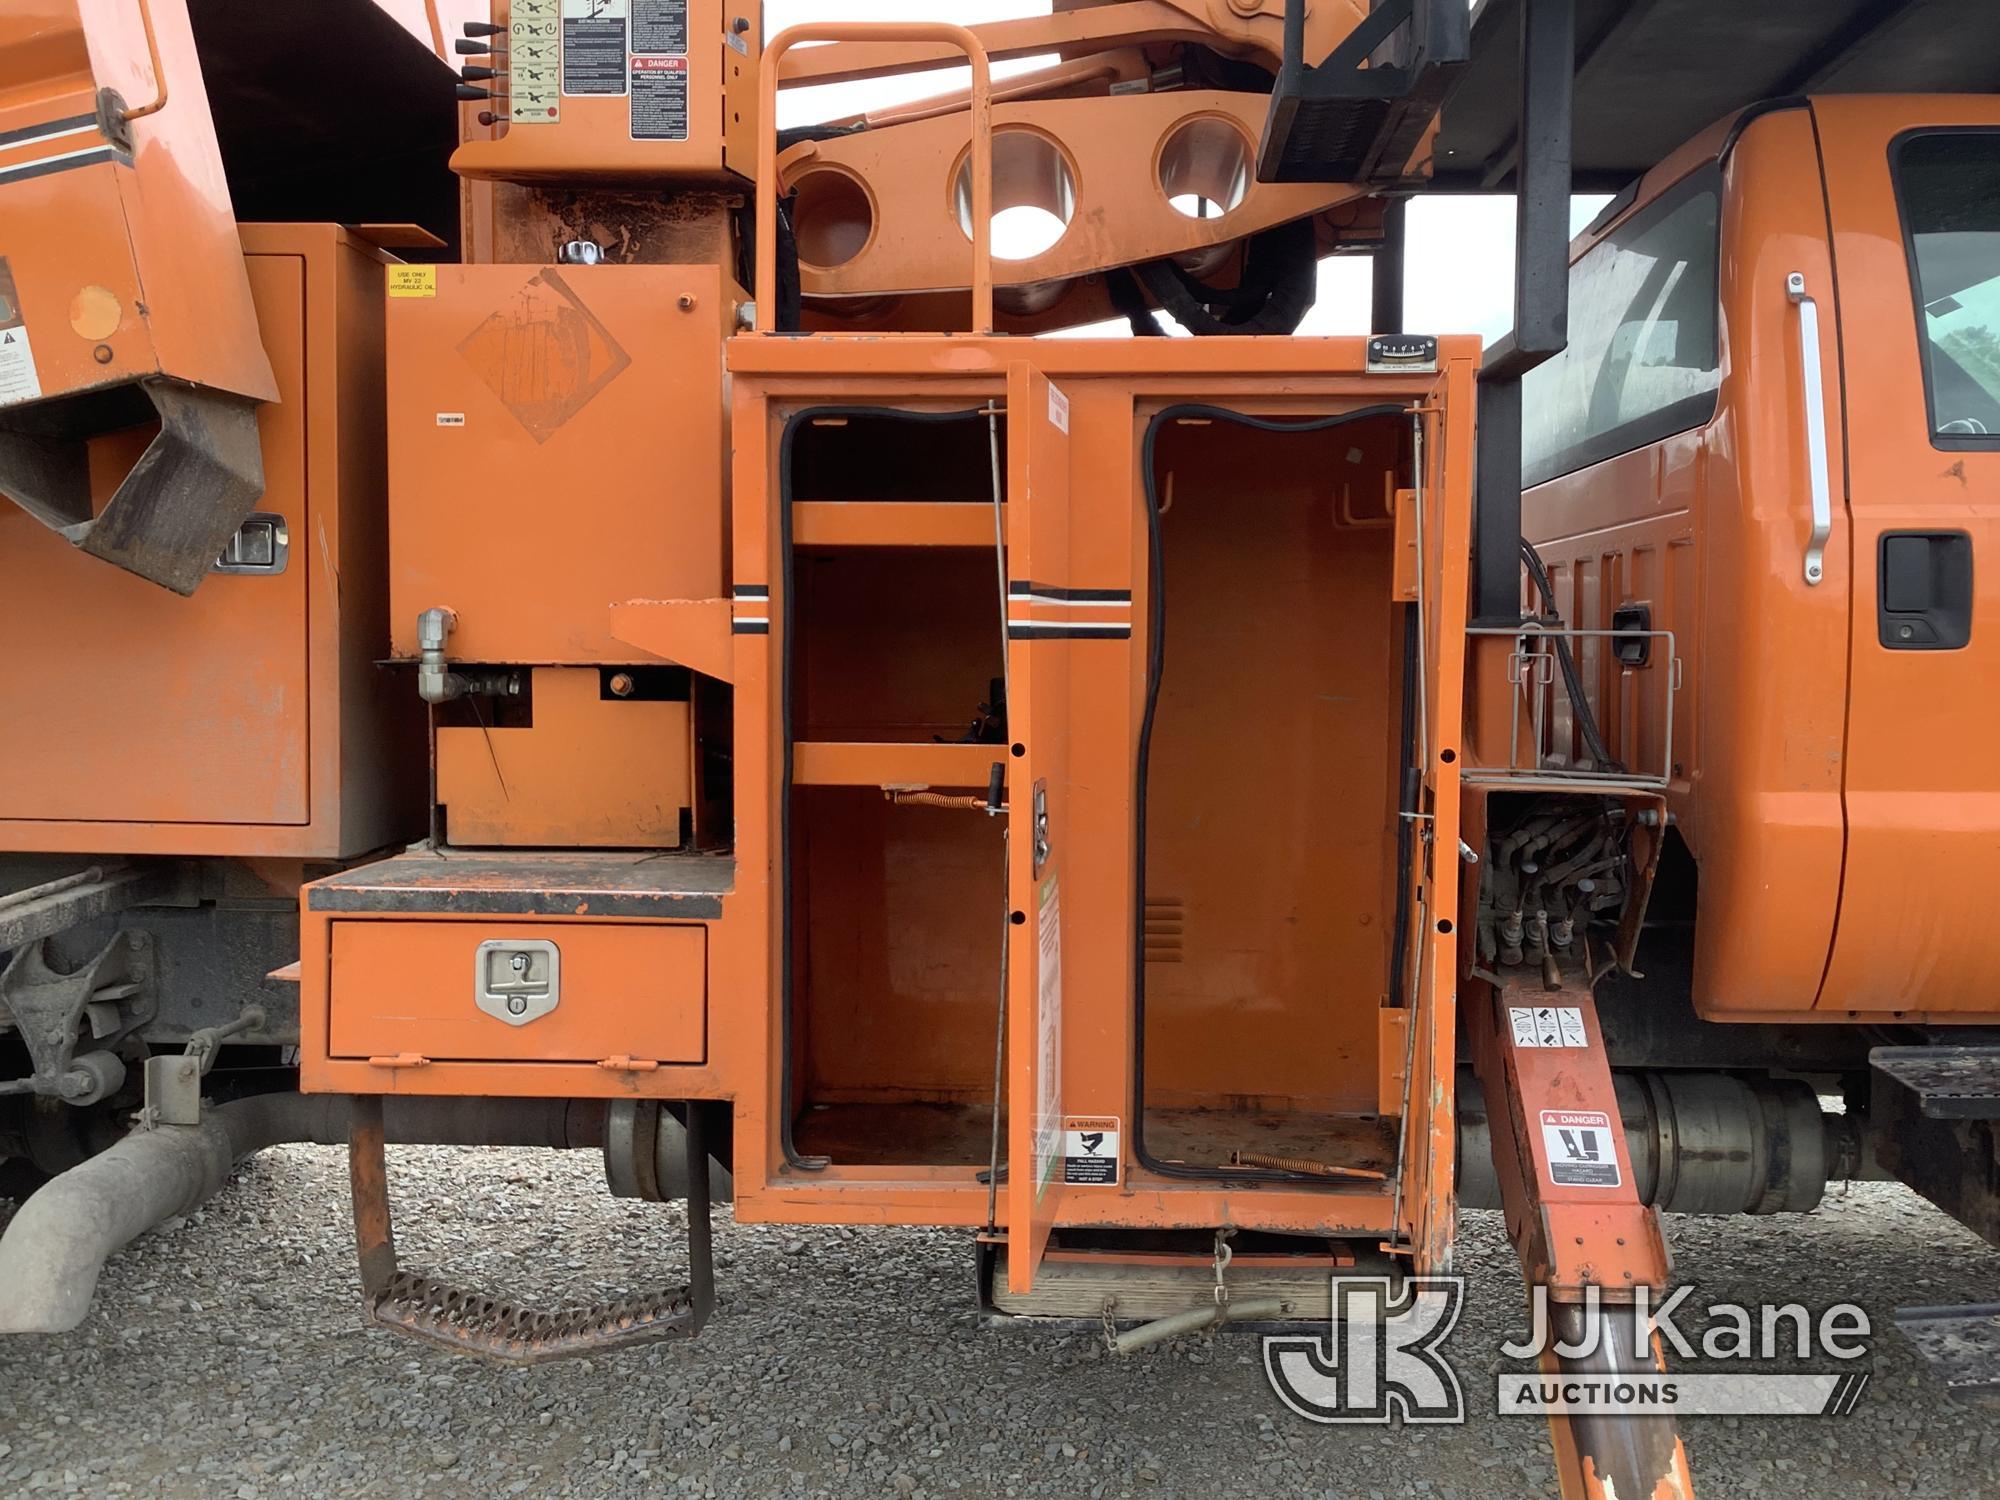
<point x="224" y="1358"/>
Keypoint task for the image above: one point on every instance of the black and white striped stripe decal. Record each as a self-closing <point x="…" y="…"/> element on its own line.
<point x="1052" y="612"/>
<point x="751" y="609"/>
<point x="69" y="135"/>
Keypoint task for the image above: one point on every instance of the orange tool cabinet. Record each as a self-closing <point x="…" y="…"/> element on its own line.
<point x="531" y="972"/>
<point x="251" y="718"/>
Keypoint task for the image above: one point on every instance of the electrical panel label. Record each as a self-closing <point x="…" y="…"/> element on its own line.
<point x="534" y="62"/>
<point x="593" y="46"/>
<point x="659" y="98"/>
<point x="1580" y="1148"/>
<point x="1090" y="1151"/>
<point x="1547" y="1026"/>
<point x="660" y="27"/>
<point x="18" y="378"/>
<point x="1048" y="1049"/>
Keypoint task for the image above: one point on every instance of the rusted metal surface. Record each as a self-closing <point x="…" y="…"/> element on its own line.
<point x="1615" y="1456"/>
<point x="368" y="1173"/>
<point x="52" y="906"/>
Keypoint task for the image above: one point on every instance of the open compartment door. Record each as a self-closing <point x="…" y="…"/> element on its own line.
<point x="1038" y="519"/>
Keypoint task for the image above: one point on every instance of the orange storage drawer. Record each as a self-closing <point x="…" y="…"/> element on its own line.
<point x="623" y="989"/>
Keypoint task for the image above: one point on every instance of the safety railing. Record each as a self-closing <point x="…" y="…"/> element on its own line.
<point x="981" y="153"/>
<point x="1540" y="707"/>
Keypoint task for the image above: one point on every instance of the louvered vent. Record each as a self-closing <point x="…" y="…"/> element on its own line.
<point x="1166" y="918"/>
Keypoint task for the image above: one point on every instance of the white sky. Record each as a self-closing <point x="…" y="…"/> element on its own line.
<point x="1460" y="250"/>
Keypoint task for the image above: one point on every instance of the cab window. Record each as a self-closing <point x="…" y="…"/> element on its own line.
<point x="1948" y="186"/>
<point x="1641" y="363"/>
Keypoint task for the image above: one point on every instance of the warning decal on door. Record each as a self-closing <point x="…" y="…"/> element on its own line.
<point x="18" y="379"/>
<point x="1090" y="1150"/>
<point x="1580" y="1148"/>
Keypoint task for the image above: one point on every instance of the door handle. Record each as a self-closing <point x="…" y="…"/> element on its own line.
<point x="1815" y="394"/>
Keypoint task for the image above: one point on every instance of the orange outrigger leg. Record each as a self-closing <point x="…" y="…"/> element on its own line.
<point x="1577" y="1223"/>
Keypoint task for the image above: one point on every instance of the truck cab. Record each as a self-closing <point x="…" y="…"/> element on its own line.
<point x="1774" y="434"/>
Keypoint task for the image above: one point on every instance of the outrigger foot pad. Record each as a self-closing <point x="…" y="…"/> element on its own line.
<point x="428" y="1308"/>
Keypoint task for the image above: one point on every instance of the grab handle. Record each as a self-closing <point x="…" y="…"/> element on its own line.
<point x="982" y="151"/>
<point x="1815" y="394"/>
<point x="159" y="74"/>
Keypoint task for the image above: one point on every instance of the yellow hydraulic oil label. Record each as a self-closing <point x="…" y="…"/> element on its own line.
<point x="413" y="281"/>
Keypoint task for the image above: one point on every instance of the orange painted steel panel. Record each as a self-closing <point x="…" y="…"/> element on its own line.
<point x="1039" y="837"/>
<point x="1111" y="155"/>
<point x="694" y="632"/>
<point x="555" y="448"/>
<point x="1709" y="527"/>
<point x="630" y="989"/>
<point x="1923" y="809"/>
<point x="208" y="693"/>
<point x="250" y="719"/>
<point x="1272" y="806"/>
<point x="591" y="772"/>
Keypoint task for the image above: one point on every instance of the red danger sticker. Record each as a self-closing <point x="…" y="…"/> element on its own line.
<point x="1580" y="1148"/>
<point x="659" y="87"/>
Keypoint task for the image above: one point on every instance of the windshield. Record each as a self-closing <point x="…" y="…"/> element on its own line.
<point x="1949" y="186"/>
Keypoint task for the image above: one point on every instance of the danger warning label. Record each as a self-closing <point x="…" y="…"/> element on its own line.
<point x="1090" y="1150"/>
<point x="18" y="378"/>
<point x="659" y="98"/>
<point x="1580" y="1148"/>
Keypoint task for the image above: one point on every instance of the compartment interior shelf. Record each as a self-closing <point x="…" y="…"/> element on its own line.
<point x="891" y="523"/>
<point x="865" y="763"/>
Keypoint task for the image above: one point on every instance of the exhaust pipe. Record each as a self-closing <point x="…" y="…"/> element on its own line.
<point x="57" y="1244"/>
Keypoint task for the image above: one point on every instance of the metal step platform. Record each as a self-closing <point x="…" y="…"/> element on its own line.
<point x="1950" y="1083"/>
<point x="431" y="1309"/>
<point x="1962" y="1345"/>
